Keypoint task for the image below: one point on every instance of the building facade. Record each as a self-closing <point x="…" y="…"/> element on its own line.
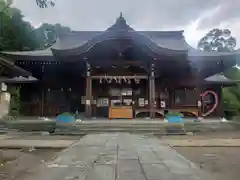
<point x="123" y="73"/>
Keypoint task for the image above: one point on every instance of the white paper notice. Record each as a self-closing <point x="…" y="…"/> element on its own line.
<point x="88" y="102"/>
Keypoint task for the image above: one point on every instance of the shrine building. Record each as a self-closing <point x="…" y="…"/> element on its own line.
<point x="122" y="73"/>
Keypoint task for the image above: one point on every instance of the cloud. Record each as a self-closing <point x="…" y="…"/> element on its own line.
<point x="194" y="16"/>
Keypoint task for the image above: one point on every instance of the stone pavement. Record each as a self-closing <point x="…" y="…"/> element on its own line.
<point x="118" y="156"/>
<point x="217" y="142"/>
<point x="22" y="143"/>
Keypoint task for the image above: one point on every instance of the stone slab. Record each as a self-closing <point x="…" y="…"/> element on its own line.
<point x="119" y="156"/>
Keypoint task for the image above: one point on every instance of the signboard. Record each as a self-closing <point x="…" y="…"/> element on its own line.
<point x="102" y="102"/>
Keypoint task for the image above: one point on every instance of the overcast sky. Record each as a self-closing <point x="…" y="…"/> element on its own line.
<point x="195" y="17"/>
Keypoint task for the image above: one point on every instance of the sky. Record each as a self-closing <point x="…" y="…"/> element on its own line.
<point x="195" y="17"/>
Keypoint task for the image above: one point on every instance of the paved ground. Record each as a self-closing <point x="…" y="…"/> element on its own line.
<point x="18" y="143"/>
<point x="222" y="162"/>
<point x="203" y="142"/>
<point x="118" y="156"/>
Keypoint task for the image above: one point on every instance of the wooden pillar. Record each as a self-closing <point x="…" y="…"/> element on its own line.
<point x="42" y="103"/>
<point x="152" y="91"/>
<point x="198" y="92"/>
<point x="88" y="92"/>
<point x="171" y="98"/>
<point x="42" y="95"/>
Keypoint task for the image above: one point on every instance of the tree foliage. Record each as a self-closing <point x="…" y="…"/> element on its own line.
<point x="15" y="33"/>
<point x="45" y="3"/>
<point x="231" y="95"/>
<point x="47" y="34"/>
<point x="218" y="40"/>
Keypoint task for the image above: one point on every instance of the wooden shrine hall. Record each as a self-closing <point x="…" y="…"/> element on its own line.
<point x="123" y="73"/>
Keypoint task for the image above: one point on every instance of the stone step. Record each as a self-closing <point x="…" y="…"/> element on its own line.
<point x="114" y="126"/>
<point x="118" y="129"/>
<point x="111" y="129"/>
<point x="122" y="126"/>
<point x="137" y="127"/>
<point x="78" y="133"/>
<point x="108" y="127"/>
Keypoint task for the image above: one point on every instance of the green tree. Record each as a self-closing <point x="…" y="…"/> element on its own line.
<point x="219" y="40"/>
<point x="231" y="95"/>
<point x="15" y="33"/>
<point x="48" y="33"/>
<point x="45" y="3"/>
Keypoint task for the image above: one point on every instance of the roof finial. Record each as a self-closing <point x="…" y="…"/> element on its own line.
<point x="120" y="23"/>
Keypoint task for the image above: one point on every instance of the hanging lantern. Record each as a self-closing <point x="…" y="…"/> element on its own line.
<point x="129" y="81"/>
<point x="48" y="89"/>
<point x="61" y="89"/>
<point x="100" y="80"/>
<point x="70" y="89"/>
